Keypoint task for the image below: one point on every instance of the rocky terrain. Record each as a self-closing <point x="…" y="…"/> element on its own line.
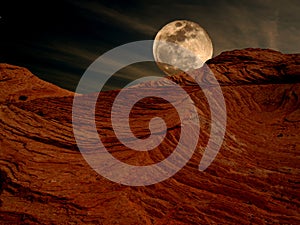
<point x="255" y="178"/>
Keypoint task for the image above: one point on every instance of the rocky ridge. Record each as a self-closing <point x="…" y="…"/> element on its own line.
<point x="255" y="178"/>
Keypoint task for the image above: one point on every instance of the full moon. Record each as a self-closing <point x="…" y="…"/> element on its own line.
<point x="188" y="35"/>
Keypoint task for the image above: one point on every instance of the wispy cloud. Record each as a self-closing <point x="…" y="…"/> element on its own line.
<point x="114" y="16"/>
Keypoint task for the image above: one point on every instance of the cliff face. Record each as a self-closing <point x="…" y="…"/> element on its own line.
<point x="255" y="177"/>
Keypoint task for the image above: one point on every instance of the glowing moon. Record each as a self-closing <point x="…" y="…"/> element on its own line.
<point x="188" y="35"/>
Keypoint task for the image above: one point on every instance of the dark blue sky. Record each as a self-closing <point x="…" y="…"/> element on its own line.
<point x="57" y="40"/>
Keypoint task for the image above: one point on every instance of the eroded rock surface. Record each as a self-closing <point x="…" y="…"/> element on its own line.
<point x="255" y="178"/>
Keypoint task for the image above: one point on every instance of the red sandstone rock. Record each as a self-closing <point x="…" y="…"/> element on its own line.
<point x="255" y="178"/>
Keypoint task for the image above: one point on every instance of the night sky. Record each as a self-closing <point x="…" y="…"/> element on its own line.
<point x="58" y="40"/>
